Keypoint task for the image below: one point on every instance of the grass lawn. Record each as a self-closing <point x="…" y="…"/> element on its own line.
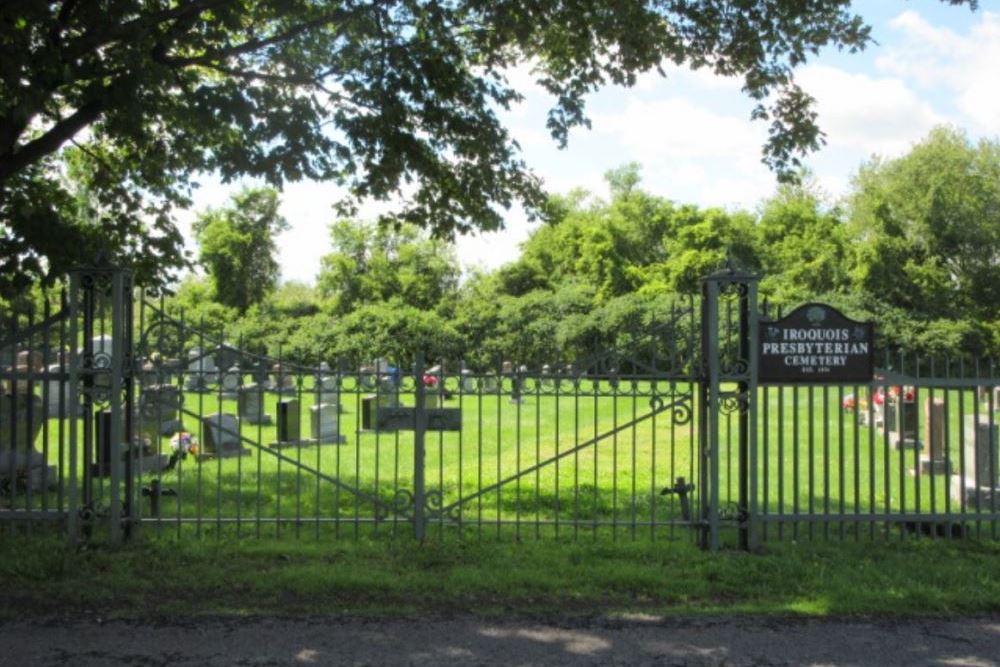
<point x="813" y="458"/>
<point x="163" y="578"/>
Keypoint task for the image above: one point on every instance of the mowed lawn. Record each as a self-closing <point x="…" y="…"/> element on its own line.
<point x="605" y="458"/>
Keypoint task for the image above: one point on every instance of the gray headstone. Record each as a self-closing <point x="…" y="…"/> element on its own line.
<point x="289" y="431"/>
<point x="468" y="382"/>
<point x="18" y="455"/>
<point x="325" y="424"/>
<point x="903" y="418"/>
<point x="370" y="403"/>
<point x="52" y="389"/>
<point x="221" y="432"/>
<point x="326" y="382"/>
<point x="230" y="382"/>
<point x="201" y="371"/>
<point x="159" y="410"/>
<point x="936" y="455"/>
<point x="979" y="480"/>
<point x="282" y="379"/>
<point x="250" y="400"/>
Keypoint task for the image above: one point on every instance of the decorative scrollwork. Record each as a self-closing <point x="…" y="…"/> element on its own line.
<point x="731" y="402"/>
<point x="738" y="368"/>
<point x="680" y="408"/>
<point x="434" y="500"/>
<point x="732" y="512"/>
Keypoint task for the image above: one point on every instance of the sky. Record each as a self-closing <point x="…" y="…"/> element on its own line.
<point x="691" y="132"/>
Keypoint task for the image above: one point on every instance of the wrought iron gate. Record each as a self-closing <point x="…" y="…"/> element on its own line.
<point x="118" y="417"/>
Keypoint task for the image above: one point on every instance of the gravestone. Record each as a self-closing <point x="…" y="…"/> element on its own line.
<point x="490" y="384"/>
<point x="260" y="375"/>
<point x="148" y="375"/>
<point x="370" y="403"/>
<point x="979" y="483"/>
<point x="230" y="382"/>
<point x="58" y="408"/>
<point x="936" y="459"/>
<point x="289" y="431"/>
<point x="225" y="356"/>
<point x="201" y="371"/>
<point x="250" y="400"/>
<point x="903" y="419"/>
<point x="326" y="382"/>
<point x="145" y="457"/>
<point x="325" y="424"/>
<point x="20" y="462"/>
<point x="282" y="380"/>
<point x="222" y="436"/>
<point x="159" y="409"/>
<point x="468" y="381"/>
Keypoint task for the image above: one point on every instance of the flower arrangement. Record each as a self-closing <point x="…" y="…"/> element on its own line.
<point x="183" y="443"/>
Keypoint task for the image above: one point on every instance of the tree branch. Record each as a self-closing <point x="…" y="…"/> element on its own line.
<point x="56" y="136"/>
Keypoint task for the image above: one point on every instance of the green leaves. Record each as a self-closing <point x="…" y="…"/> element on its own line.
<point x="378" y="97"/>
<point x="238" y="248"/>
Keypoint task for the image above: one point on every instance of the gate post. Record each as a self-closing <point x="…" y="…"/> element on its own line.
<point x="101" y="298"/>
<point x="719" y="370"/>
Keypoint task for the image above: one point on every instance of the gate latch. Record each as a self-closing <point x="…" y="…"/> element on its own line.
<point x="681" y="488"/>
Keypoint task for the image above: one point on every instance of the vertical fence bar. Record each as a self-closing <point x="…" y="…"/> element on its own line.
<point x="419" y="432"/>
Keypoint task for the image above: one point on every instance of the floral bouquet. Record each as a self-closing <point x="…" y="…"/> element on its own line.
<point x="183" y="443"/>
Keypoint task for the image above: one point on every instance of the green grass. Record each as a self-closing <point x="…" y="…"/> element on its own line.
<point x="380" y="577"/>
<point x="812" y="458"/>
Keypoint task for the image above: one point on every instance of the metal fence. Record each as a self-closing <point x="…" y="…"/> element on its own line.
<point x="119" y="418"/>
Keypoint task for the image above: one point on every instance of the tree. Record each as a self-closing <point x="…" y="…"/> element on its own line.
<point x="802" y="245"/>
<point x="238" y="249"/>
<point x="370" y="95"/>
<point x="926" y="238"/>
<point x="373" y="264"/>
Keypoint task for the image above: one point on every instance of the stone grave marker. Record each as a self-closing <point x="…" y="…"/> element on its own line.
<point x="144" y="455"/>
<point x="53" y="387"/>
<point x="326" y="382"/>
<point x="490" y="384"/>
<point x="201" y="371"/>
<point x="370" y="403"/>
<point x="936" y="458"/>
<point x="325" y="425"/>
<point x="159" y="411"/>
<point x="903" y="418"/>
<point x="468" y="382"/>
<point x="222" y="439"/>
<point x="250" y="400"/>
<point x="230" y="382"/>
<point x="289" y="431"/>
<point x="226" y="356"/>
<point x="282" y="380"/>
<point x="979" y="483"/>
<point x="18" y="457"/>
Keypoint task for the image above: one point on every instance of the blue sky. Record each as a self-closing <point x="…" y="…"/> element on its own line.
<point x="691" y="132"/>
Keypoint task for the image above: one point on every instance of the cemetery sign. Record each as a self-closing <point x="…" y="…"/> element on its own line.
<point x="816" y="343"/>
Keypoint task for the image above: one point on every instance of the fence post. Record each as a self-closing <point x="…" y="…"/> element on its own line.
<point x="708" y="425"/>
<point x="741" y="371"/>
<point x="419" y="431"/>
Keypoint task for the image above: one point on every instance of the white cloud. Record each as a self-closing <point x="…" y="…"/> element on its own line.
<point x="866" y="114"/>
<point x="677" y="129"/>
<point x="966" y="66"/>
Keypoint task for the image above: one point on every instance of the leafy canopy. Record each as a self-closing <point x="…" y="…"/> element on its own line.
<point x="238" y="248"/>
<point x="379" y="97"/>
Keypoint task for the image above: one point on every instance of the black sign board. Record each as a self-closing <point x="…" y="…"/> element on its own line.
<point x="816" y="343"/>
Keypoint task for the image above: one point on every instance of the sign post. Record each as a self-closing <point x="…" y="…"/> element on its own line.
<point x="817" y="344"/>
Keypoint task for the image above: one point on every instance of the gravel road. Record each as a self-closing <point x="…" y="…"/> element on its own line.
<point x="973" y="642"/>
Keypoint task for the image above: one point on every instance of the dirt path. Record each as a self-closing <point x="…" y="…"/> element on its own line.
<point x="471" y="641"/>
